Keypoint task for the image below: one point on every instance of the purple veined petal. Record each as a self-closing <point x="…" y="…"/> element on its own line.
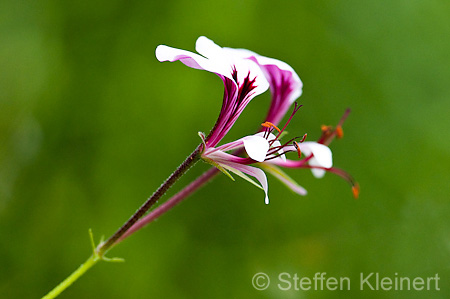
<point x="256" y="147"/>
<point x="322" y="153"/>
<point x="243" y="80"/>
<point x="232" y="62"/>
<point x="280" y="73"/>
<point x="285" y="84"/>
<point x="229" y="99"/>
<point x="253" y="171"/>
<point x="284" y="178"/>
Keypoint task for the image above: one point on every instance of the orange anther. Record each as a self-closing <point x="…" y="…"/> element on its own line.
<point x="355" y="190"/>
<point x="297" y="147"/>
<point x="339" y="132"/>
<point x="268" y="124"/>
<point x="325" y="128"/>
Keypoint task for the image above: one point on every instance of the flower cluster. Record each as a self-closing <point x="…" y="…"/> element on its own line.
<point x="245" y="75"/>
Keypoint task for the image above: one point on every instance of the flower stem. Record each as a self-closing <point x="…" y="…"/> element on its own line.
<point x="173" y="201"/>
<point x="182" y="169"/>
<point x="91" y="261"/>
<point x="170" y="203"/>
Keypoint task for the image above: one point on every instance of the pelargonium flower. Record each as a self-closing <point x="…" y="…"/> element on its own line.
<point x="285" y="87"/>
<point x="245" y="75"/>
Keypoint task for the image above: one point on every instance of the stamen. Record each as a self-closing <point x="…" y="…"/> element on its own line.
<point x="355" y="190"/>
<point x="303" y="138"/>
<point x="296" y="108"/>
<point x="266" y="132"/>
<point x="326" y="129"/>
<point x="276" y="148"/>
<point x="328" y="133"/>
<point x="266" y="124"/>
<point x="344" y="117"/>
<point x="339" y="132"/>
<point x="344" y="175"/>
<point x="297" y="147"/>
<point x="270" y="125"/>
<point x="277" y="155"/>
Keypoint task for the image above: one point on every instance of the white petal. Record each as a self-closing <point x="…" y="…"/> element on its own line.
<point x="208" y="48"/>
<point x="256" y="147"/>
<point x="317" y="172"/>
<point x="193" y="60"/>
<point x="165" y="53"/>
<point x="276" y="143"/>
<point x="243" y="53"/>
<point x="322" y="153"/>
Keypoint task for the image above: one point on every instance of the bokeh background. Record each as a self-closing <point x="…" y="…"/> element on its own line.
<point x="91" y="124"/>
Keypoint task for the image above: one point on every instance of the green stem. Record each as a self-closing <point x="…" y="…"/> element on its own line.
<point x="91" y="261"/>
<point x="103" y="247"/>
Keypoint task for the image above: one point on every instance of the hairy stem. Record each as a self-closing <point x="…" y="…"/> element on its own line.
<point x="183" y="168"/>
<point x="173" y="201"/>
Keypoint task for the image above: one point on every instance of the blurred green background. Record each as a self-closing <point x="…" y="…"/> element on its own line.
<point x="91" y="124"/>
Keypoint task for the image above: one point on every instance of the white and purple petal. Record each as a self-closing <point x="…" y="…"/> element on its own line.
<point x="285" y="84"/>
<point x="222" y="157"/>
<point x="243" y="79"/>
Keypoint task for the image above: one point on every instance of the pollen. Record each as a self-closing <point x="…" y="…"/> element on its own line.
<point x="339" y="132"/>
<point x="270" y="125"/>
<point x="297" y="147"/>
<point x="355" y="190"/>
